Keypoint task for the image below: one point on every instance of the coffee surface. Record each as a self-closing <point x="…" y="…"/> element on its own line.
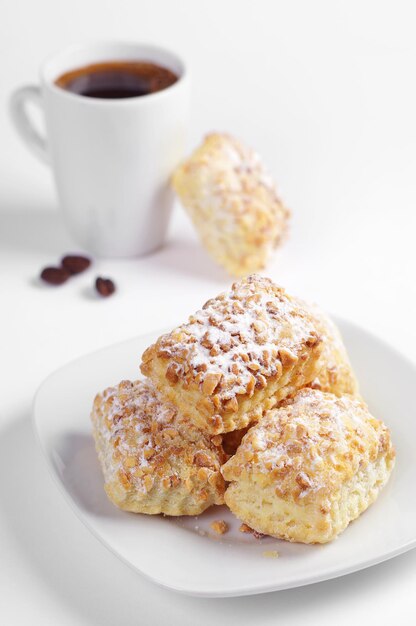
<point x="117" y="79"/>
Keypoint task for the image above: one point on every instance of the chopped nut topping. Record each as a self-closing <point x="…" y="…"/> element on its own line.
<point x="201" y="459"/>
<point x="175" y="481"/>
<point x="248" y="455"/>
<point x="306" y="450"/>
<point x="170" y="432"/>
<point x="216" y="440"/>
<point x="211" y="381"/>
<point x="240" y="342"/>
<point x="166" y="483"/>
<point x="124" y="479"/>
<point x="261" y="382"/>
<point x="172" y="373"/>
<point x="217" y="402"/>
<point x="244" y="528"/>
<point x="287" y="357"/>
<point x="202" y="474"/>
<point x="146" y="446"/>
<point x="302" y="479"/>
<point x="232" y="405"/>
<point x="148" y="482"/>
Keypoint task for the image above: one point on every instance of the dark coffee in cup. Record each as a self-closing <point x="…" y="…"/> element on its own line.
<point x="117" y="79"/>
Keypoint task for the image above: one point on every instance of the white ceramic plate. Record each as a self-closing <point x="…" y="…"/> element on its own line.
<point x="183" y="553"/>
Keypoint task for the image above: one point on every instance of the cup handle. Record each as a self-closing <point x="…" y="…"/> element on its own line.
<point x="18" y="110"/>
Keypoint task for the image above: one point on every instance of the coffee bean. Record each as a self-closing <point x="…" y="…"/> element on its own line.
<point x="105" y="286"/>
<point x="75" y="263"/>
<point x="55" y="275"/>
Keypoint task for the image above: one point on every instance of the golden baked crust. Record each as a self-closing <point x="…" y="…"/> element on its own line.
<point x="306" y="470"/>
<point x="244" y="348"/>
<point x="153" y="459"/>
<point x="232" y="202"/>
<point x="336" y="374"/>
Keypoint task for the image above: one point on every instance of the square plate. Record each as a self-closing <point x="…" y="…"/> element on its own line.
<point x="183" y="553"/>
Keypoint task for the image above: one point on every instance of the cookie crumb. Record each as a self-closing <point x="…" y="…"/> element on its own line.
<point x="271" y="554"/>
<point x="219" y="526"/>
<point x="258" y="535"/>
<point x="244" y="528"/>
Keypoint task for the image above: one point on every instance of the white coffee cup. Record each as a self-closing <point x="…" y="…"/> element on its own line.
<point x="112" y="158"/>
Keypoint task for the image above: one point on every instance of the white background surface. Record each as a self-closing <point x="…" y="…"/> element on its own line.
<point x="325" y="91"/>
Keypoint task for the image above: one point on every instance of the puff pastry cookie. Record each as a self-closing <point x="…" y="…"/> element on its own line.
<point x="305" y="471"/>
<point x="153" y="459"/>
<point x="244" y="348"/>
<point x="232" y="203"/>
<point x="336" y="374"/>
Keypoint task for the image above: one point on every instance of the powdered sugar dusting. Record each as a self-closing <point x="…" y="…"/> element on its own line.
<point x="126" y="426"/>
<point x="313" y="444"/>
<point x="139" y="434"/>
<point x="242" y="161"/>
<point x="240" y="335"/>
<point x="233" y="203"/>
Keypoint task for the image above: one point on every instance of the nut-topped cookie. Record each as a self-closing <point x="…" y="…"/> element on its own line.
<point x="232" y="202"/>
<point x="244" y="348"/>
<point x="153" y="459"/>
<point x="306" y="470"/>
<point x="336" y="374"/>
